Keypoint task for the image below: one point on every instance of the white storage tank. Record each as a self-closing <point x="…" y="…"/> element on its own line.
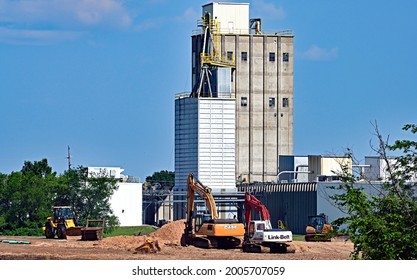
<point x="205" y="142"/>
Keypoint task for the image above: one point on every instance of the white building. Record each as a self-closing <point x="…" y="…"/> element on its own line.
<point x="126" y="201"/>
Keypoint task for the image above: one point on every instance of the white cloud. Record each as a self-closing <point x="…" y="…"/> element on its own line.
<point x="65" y="13"/>
<point x="35" y="37"/>
<point x="266" y="10"/>
<point x="189" y="15"/>
<point x="150" y="24"/>
<point x="44" y="21"/>
<point x="316" y="53"/>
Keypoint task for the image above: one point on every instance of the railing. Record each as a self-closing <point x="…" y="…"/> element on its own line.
<point x="182" y="95"/>
<point x="287" y="32"/>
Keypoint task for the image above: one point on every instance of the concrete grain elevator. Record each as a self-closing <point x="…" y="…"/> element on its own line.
<point x="238" y="118"/>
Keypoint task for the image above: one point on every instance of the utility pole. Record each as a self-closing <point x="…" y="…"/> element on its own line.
<point x="69" y="158"/>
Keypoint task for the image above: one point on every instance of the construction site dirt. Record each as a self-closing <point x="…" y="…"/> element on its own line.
<point x="168" y="237"/>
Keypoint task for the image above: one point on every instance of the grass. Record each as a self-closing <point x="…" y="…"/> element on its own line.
<point x="130" y="231"/>
<point x="298" y="237"/>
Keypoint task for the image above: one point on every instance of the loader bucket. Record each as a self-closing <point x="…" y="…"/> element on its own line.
<point x="93" y="232"/>
<point x="74" y="231"/>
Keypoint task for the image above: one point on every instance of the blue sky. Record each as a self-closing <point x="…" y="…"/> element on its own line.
<point x="101" y="76"/>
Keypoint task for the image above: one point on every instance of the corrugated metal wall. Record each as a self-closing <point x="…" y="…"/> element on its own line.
<point x="292" y="203"/>
<point x="216" y="143"/>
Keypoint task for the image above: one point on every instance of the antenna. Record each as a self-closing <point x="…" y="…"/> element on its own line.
<point x="69" y="158"/>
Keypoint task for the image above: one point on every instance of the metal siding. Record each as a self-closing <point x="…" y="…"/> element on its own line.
<point x="216" y="138"/>
<point x="221" y="82"/>
<point x="291" y="203"/>
<point x="286" y="163"/>
<point x="325" y="203"/>
<point x="186" y="140"/>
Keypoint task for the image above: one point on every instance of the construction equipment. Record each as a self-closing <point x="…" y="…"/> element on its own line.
<point x="207" y="230"/>
<point x="318" y="228"/>
<point x="62" y="224"/>
<point x="259" y="233"/>
<point x="149" y="246"/>
<point x="95" y="232"/>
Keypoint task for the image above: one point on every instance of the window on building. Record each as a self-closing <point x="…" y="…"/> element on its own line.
<point x="243" y="101"/>
<point x="244" y="56"/>
<point x="229" y="55"/>
<point x="272" y="102"/>
<point x="271" y="56"/>
<point x="285" y="57"/>
<point x="285" y="102"/>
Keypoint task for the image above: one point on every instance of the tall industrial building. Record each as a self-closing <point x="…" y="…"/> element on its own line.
<point x="235" y="64"/>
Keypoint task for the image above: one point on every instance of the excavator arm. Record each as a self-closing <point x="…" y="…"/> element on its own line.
<point x="252" y="203"/>
<point x="194" y="186"/>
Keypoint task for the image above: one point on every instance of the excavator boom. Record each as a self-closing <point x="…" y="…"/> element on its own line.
<point x="194" y="186"/>
<point x="253" y="203"/>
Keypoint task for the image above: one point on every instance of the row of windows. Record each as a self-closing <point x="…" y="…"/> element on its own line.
<point x="244" y="56"/>
<point x="285" y="102"/>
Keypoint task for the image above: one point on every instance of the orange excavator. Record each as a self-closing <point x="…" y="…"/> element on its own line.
<point x="208" y="230"/>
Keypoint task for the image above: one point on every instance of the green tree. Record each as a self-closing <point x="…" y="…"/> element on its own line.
<point x="26" y="198"/>
<point x="383" y="226"/>
<point x="164" y="177"/>
<point x="88" y="194"/>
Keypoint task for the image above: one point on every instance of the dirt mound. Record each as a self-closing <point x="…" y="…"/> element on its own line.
<point x="168" y="235"/>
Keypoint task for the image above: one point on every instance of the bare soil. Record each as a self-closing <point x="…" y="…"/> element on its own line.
<point x="168" y="236"/>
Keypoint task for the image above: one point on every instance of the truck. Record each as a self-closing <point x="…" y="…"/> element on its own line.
<point x="259" y="234"/>
<point x="207" y="230"/>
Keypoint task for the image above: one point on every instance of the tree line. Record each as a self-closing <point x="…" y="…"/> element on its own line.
<point x="27" y="197"/>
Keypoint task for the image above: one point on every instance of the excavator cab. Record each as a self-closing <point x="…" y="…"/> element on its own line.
<point x="200" y="219"/>
<point x="317" y="222"/>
